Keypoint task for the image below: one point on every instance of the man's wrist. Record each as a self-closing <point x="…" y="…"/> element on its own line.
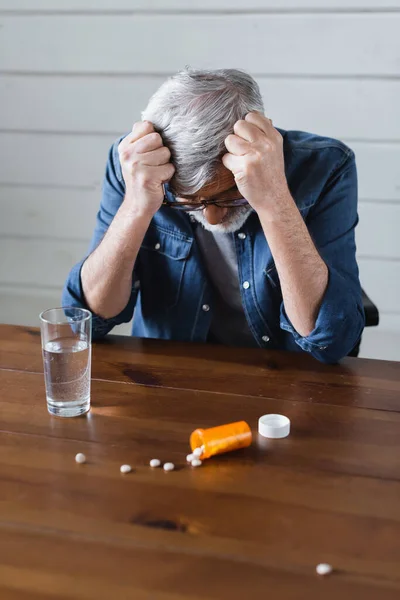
<point x="279" y="209"/>
<point x="135" y="214"/>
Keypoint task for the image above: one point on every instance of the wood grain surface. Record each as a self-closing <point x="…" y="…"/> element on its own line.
<point x="254" y="523"/>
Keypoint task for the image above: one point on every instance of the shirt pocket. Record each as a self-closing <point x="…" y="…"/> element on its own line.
<point x="272" y="277"/>
<point x="163" y="257"/>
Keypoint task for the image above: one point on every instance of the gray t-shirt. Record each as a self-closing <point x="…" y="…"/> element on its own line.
<point x="229" y="325"/>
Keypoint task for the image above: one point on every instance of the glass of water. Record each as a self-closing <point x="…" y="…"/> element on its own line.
<point x="66" y="346"/>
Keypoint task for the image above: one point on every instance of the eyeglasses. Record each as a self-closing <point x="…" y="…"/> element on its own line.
<point x="190" y="206"/>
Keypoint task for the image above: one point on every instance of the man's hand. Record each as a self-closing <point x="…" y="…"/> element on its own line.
<point x="145" y="167"/>
<point x="106" y="274"/>
<point x="256" y="160"/>
<point x="255" y="157"/>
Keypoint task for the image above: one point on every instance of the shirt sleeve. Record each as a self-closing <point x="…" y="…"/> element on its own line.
<point x="331" y="224"/>
<point x="112" y="197"/>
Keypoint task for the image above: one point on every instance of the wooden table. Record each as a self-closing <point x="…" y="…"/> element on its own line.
<point x="250" y="524"/>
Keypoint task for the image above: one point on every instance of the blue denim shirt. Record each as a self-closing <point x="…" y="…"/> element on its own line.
<point x="171" y="296"/>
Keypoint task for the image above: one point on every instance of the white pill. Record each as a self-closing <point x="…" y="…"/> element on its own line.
<point x="196" y="462"/>
<point x="125" y="468"/>
<point x="154" y="463"/>
<point x="190" y="457"/>
<point x="324" y="569"/>
<point x="80" y="458"/>
<point x="169" y="467"/>
<point x="197" y="452"/>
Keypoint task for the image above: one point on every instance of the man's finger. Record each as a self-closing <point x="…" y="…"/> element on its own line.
<point x="165" y="171"/>
<point x="233" y="163"/>
<point x="236" y="145"/>
<point x="247" y="131"/>
<point x="260" y="121"/>
<point x="157" y="157"/>
<point x="160" y="174"/>
<point x="149" y="142"/>
<point x="139" y="129"/>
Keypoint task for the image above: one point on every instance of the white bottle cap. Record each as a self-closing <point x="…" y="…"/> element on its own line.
<point x="274" y="426"/>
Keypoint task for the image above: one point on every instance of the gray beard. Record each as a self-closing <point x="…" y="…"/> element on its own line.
<point x="234" y="219"/>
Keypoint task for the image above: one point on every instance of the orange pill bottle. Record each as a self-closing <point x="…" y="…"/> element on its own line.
<point x="223" y="438"/>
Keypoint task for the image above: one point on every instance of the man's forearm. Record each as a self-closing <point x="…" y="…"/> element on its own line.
<point x="302" y="273"/>
<point x="106" y="274"/>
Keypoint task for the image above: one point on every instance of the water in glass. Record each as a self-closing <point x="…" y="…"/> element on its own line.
<point x="67" y="375"/>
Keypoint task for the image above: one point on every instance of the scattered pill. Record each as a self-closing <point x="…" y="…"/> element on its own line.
<point x="125" y="468"/>
<point x="324" y="569"/>
<point x="169" y="467"/>
<point x="190" y="457"/>
<point x="154" y="463"/>
<point x="196" y="462"/>
<point x="197" y="452"/>
<point x="80" y="458"/>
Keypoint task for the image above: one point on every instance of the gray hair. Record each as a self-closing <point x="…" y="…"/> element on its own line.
<point x="194" y="111"/>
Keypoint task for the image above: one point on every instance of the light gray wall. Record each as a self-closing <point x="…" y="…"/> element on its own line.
<point x="75" y="74"/>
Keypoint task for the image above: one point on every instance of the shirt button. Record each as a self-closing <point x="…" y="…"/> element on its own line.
<point x="205" y="307"/>
<point x="265" y="338"/>
<point x="241" y="236"/>
<point x="192" y="218"/>
<point x="323" y="347"/>
<point x="246" y="285"/>
<point x="157" y="246"/>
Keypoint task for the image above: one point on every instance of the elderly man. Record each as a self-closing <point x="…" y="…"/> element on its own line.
<point x="214" y="226"/>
